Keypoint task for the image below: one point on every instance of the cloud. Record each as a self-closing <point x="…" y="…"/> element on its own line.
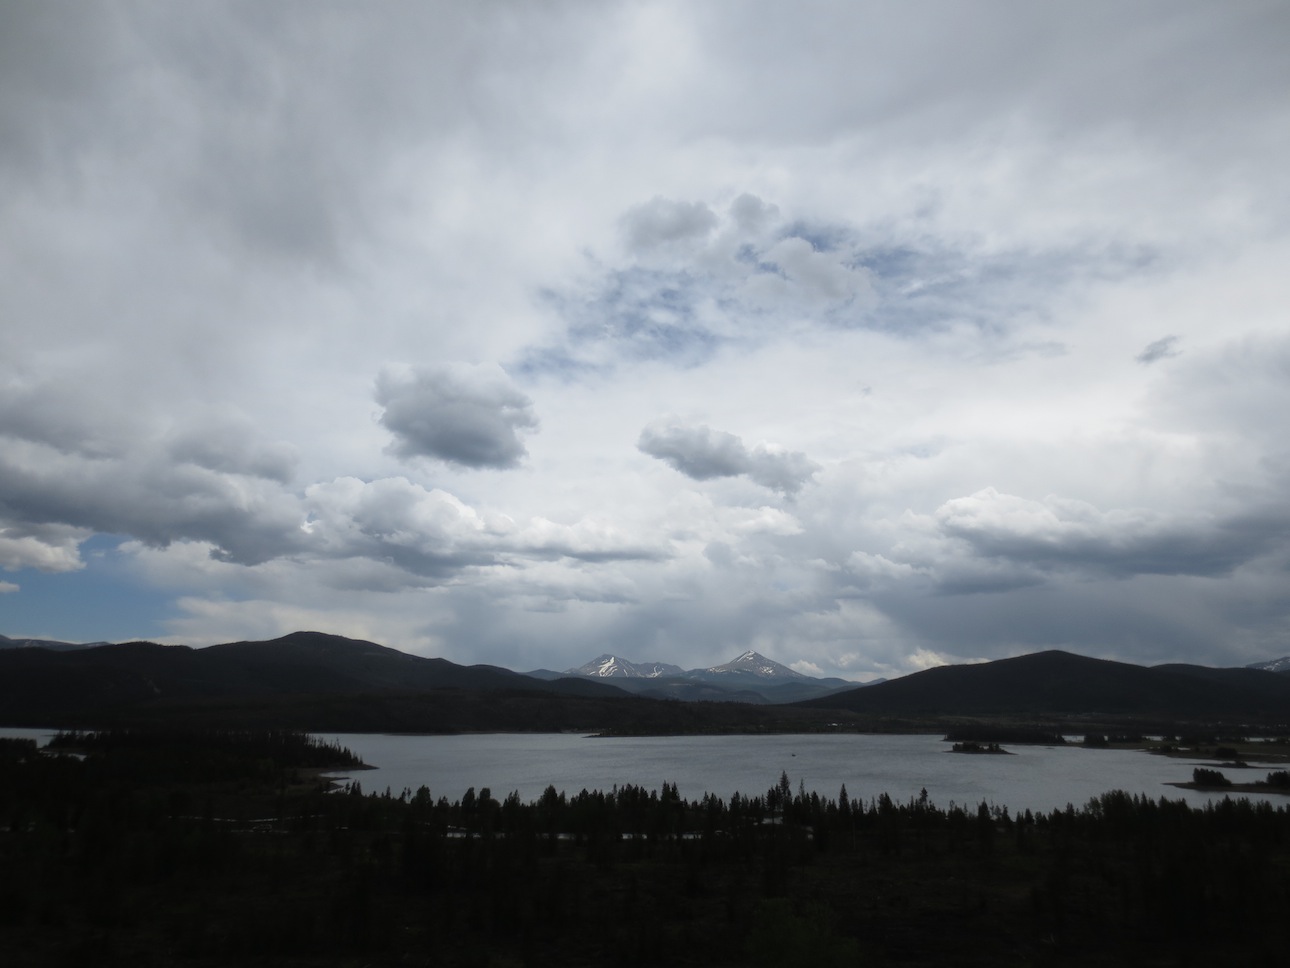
<point x="794" y="269"/>
<point x="434" y="535"/>
<point x="467" y="415"/>
<point x="429" y="533"/>
<point x="969" y="248"/>
<point x="662" y="221"/>
<point x="231" y="446"/>
<point x="8" y="588"/>
<point x="697" y="281"/>
<point x="1063" y="533"/>
<point x="702" y="454"/>
<point x="1231" y="397"/>
<point x="1160" y="349"/>
<point x="45" y="547"/>
<point x="142" y="494"/>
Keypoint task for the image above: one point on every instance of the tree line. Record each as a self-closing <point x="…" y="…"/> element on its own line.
<point x="131" y="852"/>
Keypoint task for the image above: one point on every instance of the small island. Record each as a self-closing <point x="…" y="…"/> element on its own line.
<point x="971" y="746"/>
<point x="1277" y="781"/>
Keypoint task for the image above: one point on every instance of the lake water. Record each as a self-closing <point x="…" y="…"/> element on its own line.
<point x="1033" y="777"/>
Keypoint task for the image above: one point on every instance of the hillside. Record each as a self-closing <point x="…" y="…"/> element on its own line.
<point x="1057" y="684"/>
<point x="49" y="686"/>
<point x="313" y="681"/>
<point x="8" y="643"/>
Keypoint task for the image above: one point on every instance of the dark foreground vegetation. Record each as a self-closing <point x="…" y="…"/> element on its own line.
<point x="161" y="848"/>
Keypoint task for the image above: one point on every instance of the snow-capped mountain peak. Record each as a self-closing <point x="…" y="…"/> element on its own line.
<point x="1276" y="665"/>
<point x="609" y="666"/>
<point x="754" y="663"/>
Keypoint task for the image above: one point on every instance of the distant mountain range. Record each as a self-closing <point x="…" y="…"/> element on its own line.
<point x="611" y="667"/>
<point x="45" y="686"/>
<point x="8" y="643"/>
<point x="750" y="678"/>
<point x="313" y="681"/>
<point x="1281" y="665"/>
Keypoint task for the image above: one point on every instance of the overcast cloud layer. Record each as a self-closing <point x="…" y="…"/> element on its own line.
<point x="868" y="336"/>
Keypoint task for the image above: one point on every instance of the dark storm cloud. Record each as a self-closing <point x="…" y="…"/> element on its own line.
<point x="51" y="60"/>
<point x="67" y="419"/>
<point x="73" y="463"/>
<point x="467" y="415"/>
<point x="702" y="454"/>
<point x="1146" y="620"/>
<point x="232" y="447"/>
<point x="145" y="496"/>
<point x="1160" y="349"/>
<point x="1057" y="534"/>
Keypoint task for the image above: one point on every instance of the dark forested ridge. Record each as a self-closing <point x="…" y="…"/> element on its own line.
<point x="188" y="848"/>
<point x="1060" y="685"/>
<point x="309" y="680"/>
<point x="302" y="675"/>
<point x="323" y="682"/>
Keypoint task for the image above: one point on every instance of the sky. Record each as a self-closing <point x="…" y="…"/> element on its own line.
<point x="869" y="336"/>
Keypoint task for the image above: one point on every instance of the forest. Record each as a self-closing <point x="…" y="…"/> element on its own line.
<point x="202" y="848"/>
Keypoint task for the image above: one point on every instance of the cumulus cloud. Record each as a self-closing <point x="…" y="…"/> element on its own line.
<point x="43" y="546"/>
<point x="425" y="532"/>
<point x="702" y="454"/>
<point x="246" y="519"/>
<point x="751" y="215"/>
<point x="467" y="415"/>
<point x="433" y="534"/>
<point x="663" y="220"/>
<point x="1160" y="349"/>
<point x="8" y="588"/>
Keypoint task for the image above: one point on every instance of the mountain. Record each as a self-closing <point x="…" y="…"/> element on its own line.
<point x="8" y="643"/>
<point x="750" y="678"/>
<point x="47" y="686"/>
<point x="612" y="667"/>
<point x="313" y="681"/>
<point x="1059" y="684"/>
<point x="1276" y="665"/>
<point x="756" y="664"/>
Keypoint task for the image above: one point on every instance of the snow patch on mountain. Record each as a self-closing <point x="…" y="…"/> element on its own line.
<point x="609" y="666"/>
<point x="1276" y="665"/>
<point x="754" y="663"/>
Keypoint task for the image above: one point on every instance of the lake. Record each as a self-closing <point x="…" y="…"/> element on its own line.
<point x="1033" y="777"/>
